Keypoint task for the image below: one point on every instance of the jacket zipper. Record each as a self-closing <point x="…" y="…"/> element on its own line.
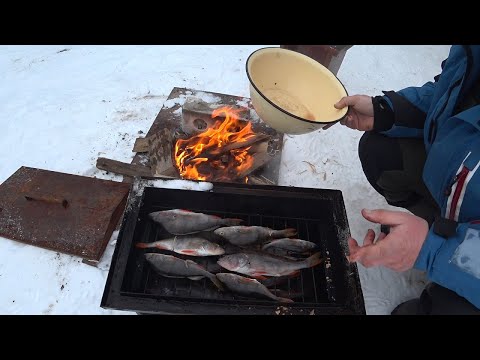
<point x="460" y="178"/>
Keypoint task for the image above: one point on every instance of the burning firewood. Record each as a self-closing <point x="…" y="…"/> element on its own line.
<point x="237" y="145"/>
<point x="260" y="158"/>
<point x="227" y="151"/>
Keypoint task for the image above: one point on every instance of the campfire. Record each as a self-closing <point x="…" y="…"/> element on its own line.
<point x="219" y="139"/>
<point x="228" y="150"/>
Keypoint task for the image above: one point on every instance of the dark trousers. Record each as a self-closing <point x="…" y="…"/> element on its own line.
<point x="394" y="167"/>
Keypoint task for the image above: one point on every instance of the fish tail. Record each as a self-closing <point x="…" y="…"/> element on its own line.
<point x="314" y="260"/>
<point x="285" y="294"/>
<point x="282" y="299"/>
<point x="142" y="245"/>
<point x="267" y="245"/>
<point x="290" y="232"/>
<point x="233" y="222"/>
<point x="217" y="282"/>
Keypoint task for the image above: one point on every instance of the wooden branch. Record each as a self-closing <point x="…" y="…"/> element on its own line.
<point x="127" y="169"/>
<point x="122" y="168"/>
<point x="237" y="145"/>
<point x="260" y="158"/>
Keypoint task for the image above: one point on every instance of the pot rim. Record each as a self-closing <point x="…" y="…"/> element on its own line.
<point x="278" y="107"/>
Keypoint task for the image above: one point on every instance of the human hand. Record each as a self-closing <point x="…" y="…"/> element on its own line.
<point x="399" y="249"/>
<point x="360" y="115"/>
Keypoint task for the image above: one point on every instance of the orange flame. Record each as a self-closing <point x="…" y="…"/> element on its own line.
<point x="202" y="157"/>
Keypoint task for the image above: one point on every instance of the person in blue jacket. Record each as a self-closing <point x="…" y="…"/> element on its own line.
<point x="421" y="151"/>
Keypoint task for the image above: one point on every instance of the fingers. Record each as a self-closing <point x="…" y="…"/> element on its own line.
<point x="385" y="217"/>
<point x="353" y="248"/>
<point x="369" y="256"/>
<point x="369" y="238"/>
<point x="353" y="245"/>
<point x="346" y="101"/>
<point x="381" y="236"/>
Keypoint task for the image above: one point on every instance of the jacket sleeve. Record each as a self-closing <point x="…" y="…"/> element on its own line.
<point x="454" y="262"/>
<point x="403" y="113"/>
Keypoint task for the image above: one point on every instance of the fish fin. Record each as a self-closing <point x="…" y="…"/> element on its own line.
<point x="142" y="245"/>
<point x="233" y="222"/>
<point x="193" y="263"/>
<point x="294" y="274"/>
<point x="152" y="215"/>
<point x="290" y="232"/>
<point x="185" y="210"/>
<point x="188" y="252"/>
<point x="314" y="260"/>
<point x="260" y="277"/>
<point x="196" y="278"/>
<point x="285" y="300"/>
<point x="170" y="276"/>
<point x="247" y="280"/>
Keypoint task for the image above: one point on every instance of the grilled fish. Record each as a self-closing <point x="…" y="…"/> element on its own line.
<point x="170" y="266"/>
<point x="186" y="245"/>
<point x="261" y="266"/>
<point x="247" y="286"/>
<point x="293" y="245"/>
<point x="247" y="235"/>
<point x="184" y="222"/>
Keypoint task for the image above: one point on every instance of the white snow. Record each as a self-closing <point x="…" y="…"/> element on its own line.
<point x="61" y="110"/>
<point x="208" y="98"/>
<point x="463" y="255"/>
<point x="181" y="184"/>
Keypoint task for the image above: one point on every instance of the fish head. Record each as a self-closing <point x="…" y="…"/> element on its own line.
<point x="152" y="257"/>
<point x="148" y="257"/>
<point x="234" y="262"/>
<point x="210" y="249"/>
<point x="223" y="231"/>
<point x="156" y="258"/>
<point x="167" y="215"/>
<point x="214" y="249"/>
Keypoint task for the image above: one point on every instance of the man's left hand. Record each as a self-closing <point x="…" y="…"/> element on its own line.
<point x="399" y="249"/>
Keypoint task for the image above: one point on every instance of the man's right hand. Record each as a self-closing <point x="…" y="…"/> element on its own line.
<point x="360" y="115"/>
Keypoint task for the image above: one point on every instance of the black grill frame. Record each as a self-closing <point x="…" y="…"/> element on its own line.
<point x="333" y="287"/>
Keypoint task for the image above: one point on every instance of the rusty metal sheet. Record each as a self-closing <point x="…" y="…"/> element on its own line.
<point x="67" y="213"/>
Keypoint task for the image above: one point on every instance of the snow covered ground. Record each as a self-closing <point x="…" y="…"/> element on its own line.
<point x="63" y="106"/>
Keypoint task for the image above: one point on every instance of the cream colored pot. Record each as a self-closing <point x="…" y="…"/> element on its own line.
<point x="293" y="93"/>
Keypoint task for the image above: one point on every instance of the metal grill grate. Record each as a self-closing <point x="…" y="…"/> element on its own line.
<point x="318" y="216"/>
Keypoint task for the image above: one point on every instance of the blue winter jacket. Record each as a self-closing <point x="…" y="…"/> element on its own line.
<point x="451" y="252"/>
